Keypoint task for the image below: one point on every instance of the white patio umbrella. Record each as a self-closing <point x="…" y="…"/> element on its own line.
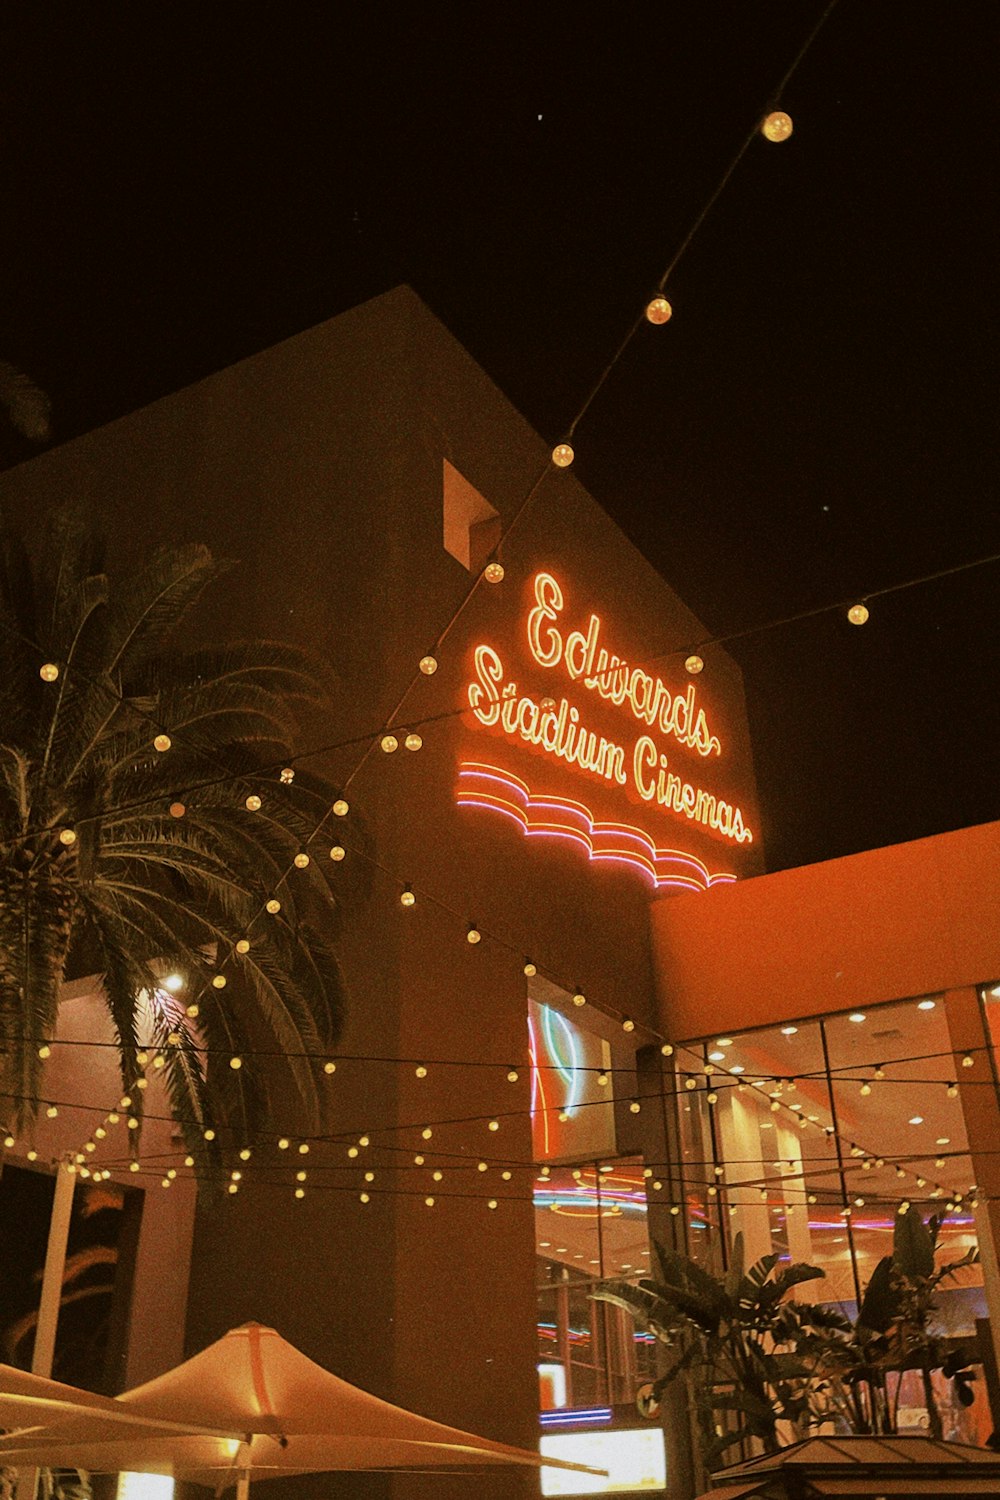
<point x="274" y="1412"/>
<point x="32" y="1403"/>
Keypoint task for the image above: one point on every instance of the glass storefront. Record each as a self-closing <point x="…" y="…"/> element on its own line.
<point x="590" y="1212"/>
<point x="807" y="1136"/>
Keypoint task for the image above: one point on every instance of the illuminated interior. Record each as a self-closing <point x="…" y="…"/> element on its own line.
<point x="819" y="1130"/>
<point x="590" y="1214"/>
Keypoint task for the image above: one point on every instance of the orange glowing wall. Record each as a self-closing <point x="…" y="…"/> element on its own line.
<point x="911" y="919"/>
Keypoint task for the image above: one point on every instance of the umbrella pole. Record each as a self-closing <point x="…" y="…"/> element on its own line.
<point x="51" y="1294"/>
<point x="243" y="1486"/>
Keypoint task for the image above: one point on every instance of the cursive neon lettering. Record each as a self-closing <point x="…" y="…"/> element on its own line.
<point x="543" y="639"/>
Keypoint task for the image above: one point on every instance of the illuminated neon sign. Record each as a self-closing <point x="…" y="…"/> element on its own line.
<point x="559" y="730"/>
<point x="490" y="787"/>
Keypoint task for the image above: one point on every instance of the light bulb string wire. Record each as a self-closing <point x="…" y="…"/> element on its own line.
<point x="717" y="1079"/>
<point x="369" y="738"/>
<point x="706" y="209"/>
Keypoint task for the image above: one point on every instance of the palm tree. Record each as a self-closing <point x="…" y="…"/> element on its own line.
<point x="127" y="844"/>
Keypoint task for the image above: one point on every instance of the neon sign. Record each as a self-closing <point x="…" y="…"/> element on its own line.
<point x="487" y="786"/>
<point x="558" y="729"/>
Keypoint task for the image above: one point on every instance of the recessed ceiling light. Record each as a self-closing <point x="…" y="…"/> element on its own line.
<point x="767" y="1124"/>
<point x="789" y="1030"/>
<point x="716" y="1057"/>
<point x="943" y="1140"/>
<point x="916" y="1119"/>
<point x="926" y="1004"/>
<point x="724" y="1041"/>
<point x="995" y="992"/>
<point x="544" y="1244"/>
<point x="857" y="1016"/>
<point x="737" y="1068"/>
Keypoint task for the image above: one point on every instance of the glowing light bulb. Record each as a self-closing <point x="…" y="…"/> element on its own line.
<point x="67" y="836"/>
<point x="628" y="1024"/>
<point x="341" y="807"/>
<point x="44" y="1051"/>
<point x="420" y="1071"/>
<point x="562" y="455"/>
<point x="48" y="671"/>
<point x="245" y="1154"/>
<point x="413" y="741"/>
<point x="529" y="968"/>
<point x="209" y="1134"/>
<point x="159" y="1061"/>
<point x="690" y="1083"/>
<point x="337" y="852"/>
<point x="776" y="126"/>
<point x="303" y="1148"/>
<point x="491" y="1203"/>
<point x="579" y="998"/>
<point x="694" y="664"/>
<point x="635" y="1107"/>
<point x="301" y="861"/>
<point x="287" y="776"/>
<point x="429" y="1202"/>
<point x="52" y="1112"/>
<point x="283" y="1143"/>
<point x="162" y="742"/>
<point x="858" y="614"/>
<point x="407" y="898"/>
<point x="177" y="809"/>
<point x="329" y="1066"/>
<point x="273" y="906"/>
<point x="428" y="665"/>
<point x="252" y="803"/>
<point x="658" y="310"/>
<point x="857" y="1017"/>
<point x="474" y="935"/>
<point x="300" y="1192"/>
<point x="667" y="1050"/>
<point x="427" y="1132"/>
<point x="602" y="1080"/>
<point x="364" y="1198"/>
<point x="243" y="946"/>
<point x="952" y="1091"/>
<point x="389" y="743"/>
<point x="512" y="1075"/>
<point x="236" y="1063"/>
<point x="494" y="1125"/>
<point x="493" y="572"/>
<point x="218" y="981"/>
<point x="967" y="1061"/>
<point x="866" y="1088"/>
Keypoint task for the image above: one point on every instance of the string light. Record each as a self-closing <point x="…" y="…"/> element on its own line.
<point x="967" y="1061"/>
<point x="329" y="1066"/>
<point x="579" y="998"/>
<point x="473" y="935"/>
<point x="694" y="664"/>
<point x="273" y="906"/>
<point x="389" y="743"/>
<point x="177" y="809"/>
<point x="407" y="898"/>
<point x="413" y="741"/>
<point x="301" y="860"/>
<point x="67" y="836"/>
<point x="243" y="946"/>
<point x="776" y="126"/>
<point x="628" y="1024"/>
<point x="162" y="742"/>
<point x="252" y="803"/>
<point x="48" y="671"/>
<point x="236" y="1063"/>
<point x="658" y="311"/>
<point x="529" y="968"/>
<point x="337" y="853"/>
<point x="287" y="776"/>
<point x="667" y="1050"/>
<point x="493" y="572"/>
<point x="858" y="614"/>
<point x="428" y="665"/>
<point x="341" y="808"/>
<point x="218" y="981"/>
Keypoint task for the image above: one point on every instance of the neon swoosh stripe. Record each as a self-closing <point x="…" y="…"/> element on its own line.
<point x="546" y="816"/>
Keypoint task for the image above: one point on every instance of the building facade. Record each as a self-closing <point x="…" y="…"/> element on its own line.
<point x="510" y="1118"/>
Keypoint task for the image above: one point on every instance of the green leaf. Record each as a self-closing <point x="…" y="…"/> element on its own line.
<point x="912" y="1245"/>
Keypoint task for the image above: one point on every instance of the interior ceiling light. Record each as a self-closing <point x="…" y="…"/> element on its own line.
<point x="857" y="1017"/>
<point x="789" y="1030"/>
<point x="916" y="1119"/>
<point x="926" y="1004"/>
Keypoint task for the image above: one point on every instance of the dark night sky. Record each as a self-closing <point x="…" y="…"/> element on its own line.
<point x="185" y="184"/>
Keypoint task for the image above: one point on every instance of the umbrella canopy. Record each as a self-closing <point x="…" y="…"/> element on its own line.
<point x="29" y="1400"/>
<point x="275" y="1412"/>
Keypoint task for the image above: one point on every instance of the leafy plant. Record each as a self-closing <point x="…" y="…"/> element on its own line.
<point x="737" y="1340"/>
<point x="132" y="861"/>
